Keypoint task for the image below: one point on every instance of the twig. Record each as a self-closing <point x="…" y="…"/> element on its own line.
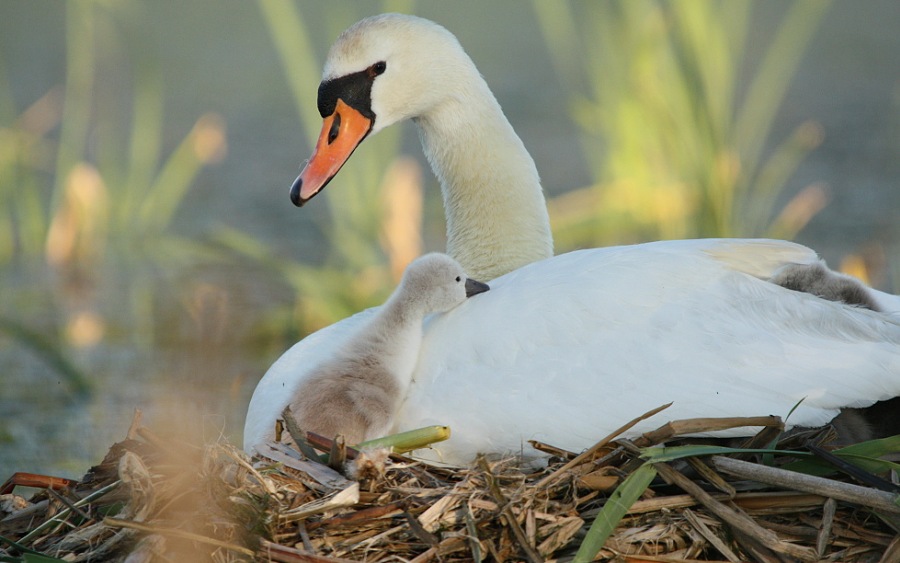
<point x="419" y="530"/>
<point x="65" y="512"/>
<point x="425" y="556"/>
<point x="892" y="553"/>
<point x="318" y="471"/>
<point x="551" y="450"/>
<point x="341" y="499"/>
<point x="796" y="502"/>
<point x="530" y="553"/>
<point x="379" y="511"/>
<point x="734" y="518"/>
<point x="447" y="545"/>
<point x="69" y="504"/>
<point x="710" y="536"/>
<point x="587" y="454"/>
<point x="21" y="479"/>
<point x="284" y="554"/>
<point x="325" y="444"/>
<point x="304" y="535"/>
<point x="837" y="490"/>
<point x="135" y="424"/>
<point x="758" y="551"/>
<point x="824" y="535"/>
<point x="176" y="533"/>
<point x="695" y="425"/>
<point x="338" y="454"/>
<point x="298" y="434"/>
<point x="263" y="482"/>
<point x="472" y="535"/>
<point x="711" y="476"/>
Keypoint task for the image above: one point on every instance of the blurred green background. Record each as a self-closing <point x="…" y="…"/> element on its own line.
<point x="150" y="257"/>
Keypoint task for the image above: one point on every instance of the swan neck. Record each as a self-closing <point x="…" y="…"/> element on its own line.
<point x="495" y="208"/>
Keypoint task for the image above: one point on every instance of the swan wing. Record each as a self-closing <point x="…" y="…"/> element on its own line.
<point x="566" y="349"/>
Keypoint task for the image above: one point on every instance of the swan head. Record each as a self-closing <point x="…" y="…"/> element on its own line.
<point x="438" y="283"/>
<point x="380" y="71"/>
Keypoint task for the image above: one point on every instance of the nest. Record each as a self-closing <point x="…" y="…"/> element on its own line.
<point x="151" y="501"/>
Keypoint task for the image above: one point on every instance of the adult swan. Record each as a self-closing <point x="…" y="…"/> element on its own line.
<point x="564" y="349"/>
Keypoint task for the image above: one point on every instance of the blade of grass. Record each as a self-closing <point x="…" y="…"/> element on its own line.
<point x="668" y="454"/>
<point x="65" y="512"/>
<point x="145" y="143"/>
<point x="848" y="468"/>
<point x="657" y="94"/>
<point x="175" y="178"/>
<point x="613" y="510"/>
<point x="296" y="50"/>
<point x="24" y="550"/>
<point x="80" y="39"/>
<point x="864" y="455"/>
<point x="771" y="81"/>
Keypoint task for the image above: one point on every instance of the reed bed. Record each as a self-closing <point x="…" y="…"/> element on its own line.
<point x="153" y="499"/>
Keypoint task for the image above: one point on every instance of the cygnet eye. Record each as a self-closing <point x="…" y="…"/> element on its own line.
<point x="458" y="278"/>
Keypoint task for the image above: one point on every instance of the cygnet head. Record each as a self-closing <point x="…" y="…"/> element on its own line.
<point x="381" y="70"/>
<point x="437" y="283"/>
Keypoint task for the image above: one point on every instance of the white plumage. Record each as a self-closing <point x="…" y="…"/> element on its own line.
<point x="565" y="349"/>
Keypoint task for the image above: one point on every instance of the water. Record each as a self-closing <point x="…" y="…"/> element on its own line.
<point x="187" y="344"/>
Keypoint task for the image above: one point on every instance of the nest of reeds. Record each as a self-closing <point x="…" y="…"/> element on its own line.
<point x="621" y="500"/>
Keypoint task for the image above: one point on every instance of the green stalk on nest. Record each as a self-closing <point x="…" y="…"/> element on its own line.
<point x="410" y="440"/>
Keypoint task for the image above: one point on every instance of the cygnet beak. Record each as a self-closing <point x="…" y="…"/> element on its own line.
<point x="474" y="287"/>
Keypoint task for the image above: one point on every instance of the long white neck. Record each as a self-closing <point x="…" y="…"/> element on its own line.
<point x="496" y="213"/>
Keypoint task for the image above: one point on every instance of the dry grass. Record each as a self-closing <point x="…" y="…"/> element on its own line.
<point x="152" y="501"/>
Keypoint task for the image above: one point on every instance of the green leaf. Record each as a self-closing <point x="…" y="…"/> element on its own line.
<point x="612" y="512"/>
<point x="29" y="555"/>
<point x="38" y="558"/>
<point x="864" y="455"/>
<point x="664" y="454"/>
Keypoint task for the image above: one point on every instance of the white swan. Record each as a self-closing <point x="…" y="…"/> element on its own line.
<point x="356" y="392"/>
<point x="565" y="349"/>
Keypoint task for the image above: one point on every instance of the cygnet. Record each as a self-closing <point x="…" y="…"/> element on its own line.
<point x="852" y="425"/>
<point x="817" y="279"/>
<point x="357" y="392"/>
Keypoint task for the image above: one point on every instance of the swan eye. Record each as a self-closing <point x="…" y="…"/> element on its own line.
<point x="458" y="278"/>
<point x="377" y="68"/>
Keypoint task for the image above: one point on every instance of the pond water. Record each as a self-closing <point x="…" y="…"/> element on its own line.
<point x="185" y="338"/>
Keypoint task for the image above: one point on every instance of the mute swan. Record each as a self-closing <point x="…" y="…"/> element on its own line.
<point x="565" y="349"/>
<point x="357" y="391"/>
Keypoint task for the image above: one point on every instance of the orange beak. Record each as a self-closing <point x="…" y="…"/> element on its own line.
<point x="342" y="132"/>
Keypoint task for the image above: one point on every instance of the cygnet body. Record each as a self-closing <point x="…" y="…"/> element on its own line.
<point x="816" y="278"/>
<point x="358" y="391"/>
<point x="852" y="425"/>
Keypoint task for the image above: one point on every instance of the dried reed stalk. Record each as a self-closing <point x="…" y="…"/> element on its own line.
<point x="216" y="503"/>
